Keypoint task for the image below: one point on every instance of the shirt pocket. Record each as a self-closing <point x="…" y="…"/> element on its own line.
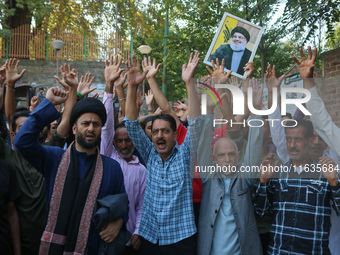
<point x="281" y="193"/>
<point x="315" y="194"/>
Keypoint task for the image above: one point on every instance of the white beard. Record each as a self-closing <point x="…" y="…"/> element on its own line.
<point x="240" y="47"/>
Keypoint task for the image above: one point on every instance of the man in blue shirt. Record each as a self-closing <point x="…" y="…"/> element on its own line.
<point x="75" y="178"/>
<point x="167" y="225"/>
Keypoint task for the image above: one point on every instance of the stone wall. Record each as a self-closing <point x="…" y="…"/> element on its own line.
<point x="41" y="72"/>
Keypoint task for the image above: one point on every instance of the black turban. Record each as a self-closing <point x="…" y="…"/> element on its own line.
<point x="88" y="105"/>
<point x="241" y="30"/>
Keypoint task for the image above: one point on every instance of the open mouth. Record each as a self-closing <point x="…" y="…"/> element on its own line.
<point x="161" y="144"/>
<point x="90" y="137"/>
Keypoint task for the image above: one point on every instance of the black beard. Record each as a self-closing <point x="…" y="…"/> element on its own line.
<point x="87" y="145"/>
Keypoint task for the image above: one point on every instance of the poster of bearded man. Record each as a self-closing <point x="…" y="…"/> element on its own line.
<point x="236" y="41"/>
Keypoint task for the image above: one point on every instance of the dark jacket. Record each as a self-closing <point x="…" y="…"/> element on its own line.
<point x="111" y="208"/>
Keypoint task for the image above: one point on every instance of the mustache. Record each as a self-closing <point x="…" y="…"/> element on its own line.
<point x="294" y="149"/>
<point x="126" y="148"/>
<point x="160" y="140"/>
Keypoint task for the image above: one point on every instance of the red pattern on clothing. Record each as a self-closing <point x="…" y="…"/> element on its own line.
<point x="49" y="236"/>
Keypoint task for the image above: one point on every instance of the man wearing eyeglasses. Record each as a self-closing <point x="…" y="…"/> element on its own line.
<point x="235" y="54"/>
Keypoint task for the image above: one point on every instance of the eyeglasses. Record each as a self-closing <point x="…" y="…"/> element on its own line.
<point x="239" y="37"/>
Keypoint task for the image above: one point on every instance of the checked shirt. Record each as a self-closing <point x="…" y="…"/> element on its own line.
<point x="302" y="212"/>
<point x="168" y="215"/>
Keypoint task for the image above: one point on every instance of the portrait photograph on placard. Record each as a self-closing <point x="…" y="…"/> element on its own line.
<point x="236" y="41"/>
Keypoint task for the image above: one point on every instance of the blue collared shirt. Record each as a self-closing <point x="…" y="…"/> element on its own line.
<point x="167" y="210"/>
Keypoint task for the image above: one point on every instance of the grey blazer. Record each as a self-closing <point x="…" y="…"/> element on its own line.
<point x="240" y="194"/>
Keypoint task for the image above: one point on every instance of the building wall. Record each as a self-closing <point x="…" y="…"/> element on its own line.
<point x="329" y="85"/>
<point x="42" y="72"/>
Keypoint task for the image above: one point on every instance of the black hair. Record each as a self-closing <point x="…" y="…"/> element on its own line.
<point x="146" y="120"/>
<point x="309" y="131"/>
<point x="18" y="115"/>
<point x="120" y="125"/>
<point x="168" y="118"/>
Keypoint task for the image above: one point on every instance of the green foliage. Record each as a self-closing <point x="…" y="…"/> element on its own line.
<point x="193" y="24"/>
<point x="307" y="15"/>
<point x="334" y="41"/>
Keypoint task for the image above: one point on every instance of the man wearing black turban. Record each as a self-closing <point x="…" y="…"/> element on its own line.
<point x="235" y="54"/>
<point x="75" y="178"/>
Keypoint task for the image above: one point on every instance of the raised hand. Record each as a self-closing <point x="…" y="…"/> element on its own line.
<point x="121" y="80"/>
<point x="85" y="84"/>
<point x="113" y="70"/>
<point x="234" y="81"/>
<point x="96" y="96"/>
<point x="158" y="111"/>
<point x="257" y="93"/>
<point x="12" y="75"/>
<point x="267" y="168"/>
<point x="34" y="103"/>
<point x="70" y="77"/>
<point x="56" y="95"/>
<point x="134" y="75"/>
<point x="249" y="67"/>
<point x="271" y="80"/>
<point x="329" y="170"/>
<point x="149" y="100"/>
<point x="307" y="65"/>
<point x="151" y="68"/>
<point x="180" y="106"/>
<point x="189" y="70"/>
<point x="218" y="71"/>
<point x="139" y="99"/>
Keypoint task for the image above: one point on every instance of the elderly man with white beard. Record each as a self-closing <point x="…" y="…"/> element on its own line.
<point x="235" y="54"/>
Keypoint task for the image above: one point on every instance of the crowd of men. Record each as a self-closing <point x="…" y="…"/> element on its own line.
<point x="89" y="180"/>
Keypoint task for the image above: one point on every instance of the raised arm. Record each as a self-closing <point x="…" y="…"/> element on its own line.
<point x="119" y="87"/>
<point x="149" y="100"/>
<point x="321" y="119"/>
<point x="115" y="77"/>
<point x="12" y="77"/>
<point x="71" y="80"/>
<point x="161" y="100"/>
<point x="26" y="140"/>
<point x="254" y="146"/>
<point x="134" y="79"/>
<point x="188" y="72"/>
<point x="276" y="129"/>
